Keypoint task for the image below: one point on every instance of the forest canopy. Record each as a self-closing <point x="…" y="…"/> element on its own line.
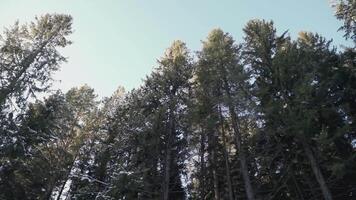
<point x="269" y="118"/>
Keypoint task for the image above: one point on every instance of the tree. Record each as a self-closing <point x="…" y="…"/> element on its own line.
<point x="222" y="78"/>
<point x="29" y="55"/>
<point x="270" y="118"/>
<point x="37" y="160"/>
<point x="346" y="11"/>
<point x="170" y="84"/>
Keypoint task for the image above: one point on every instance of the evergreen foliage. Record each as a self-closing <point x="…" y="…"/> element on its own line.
<point x="268" y="118"/>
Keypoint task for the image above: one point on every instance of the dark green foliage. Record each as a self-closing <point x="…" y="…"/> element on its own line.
<point x="346" y="11"/>
<point x="270" y="118"/>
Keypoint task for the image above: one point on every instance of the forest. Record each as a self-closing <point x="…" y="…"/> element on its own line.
<point x="270" y="118"/>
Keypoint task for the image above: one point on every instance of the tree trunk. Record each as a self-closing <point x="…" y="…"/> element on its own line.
<point x="202" y="166"/>
<point x="66" y="178"/>
<point x="62" y="188"/>
<point x="317" y="172"/>
<point x="243" y="162"/>
<point x="167" y="172"/>
<point x="238" y="141"/>
<point x="212" y="162"/>
<point x="298" y="191"/>
<point x="310" y="185"/>
<point x="215" y="177"/>
<point x="226" y="157"/>
<point x="168" y="155"/>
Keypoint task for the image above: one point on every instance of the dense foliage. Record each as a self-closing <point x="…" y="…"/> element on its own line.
<point x="268" y="118"/>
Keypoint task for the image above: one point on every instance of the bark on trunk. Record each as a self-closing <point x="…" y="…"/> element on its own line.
<point x="226" y="157"/>
<point x="62" y="188"/>
<point x="167" y="173"/>
<point x="215" y="177"/>
<point x="202" y="165"/>
<point x="212" y="162"/>
<point x="317" y="172"/>
<point x="243" y="162"/>
<point x="310" y="185"/>
<point x="238" y="141"/>
<point x="66" y="179"/>
<point x="168" y="156"/>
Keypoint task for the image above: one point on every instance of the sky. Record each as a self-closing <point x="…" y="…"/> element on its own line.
<point x="117" y="42"/>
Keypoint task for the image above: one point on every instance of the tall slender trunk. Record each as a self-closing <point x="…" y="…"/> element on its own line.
<point x="167" y="172"/>
<point x="168" y="155"/>
<point x="212" y="162"/>
<point x="66" y="178"/>
<point x="150" y="187"/>
<point x="310" y="185"/>
<point x="317" y="172"/>
<point x="298" y="191"/>
<point x="226" y="157"/>
<point x="62" y="188"/>
<point x="243" y="161"/>
<point x="202" y="166"/>
<point x="215" y="177"/>
<point x="238" y="141"/>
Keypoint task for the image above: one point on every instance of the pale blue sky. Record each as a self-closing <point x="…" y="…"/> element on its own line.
<point x="117" y="42"/>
